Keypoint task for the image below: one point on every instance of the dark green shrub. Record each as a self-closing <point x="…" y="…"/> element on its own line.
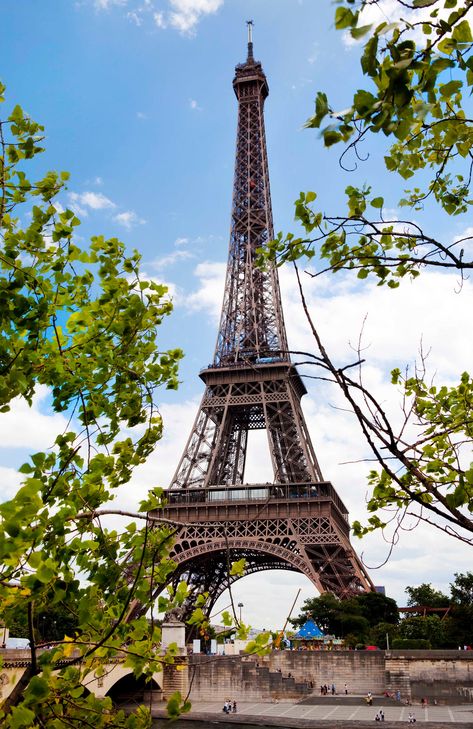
<point x="412" y="643"/>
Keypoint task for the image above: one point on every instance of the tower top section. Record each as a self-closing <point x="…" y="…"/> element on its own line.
<point x="250" y="75"/>
<point x="249" y="23"/>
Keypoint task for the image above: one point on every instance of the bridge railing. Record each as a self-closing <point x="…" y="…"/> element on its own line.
<point x="257" y="492"/>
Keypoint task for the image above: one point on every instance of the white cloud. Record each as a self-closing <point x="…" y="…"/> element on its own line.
<point x="10" y="481"/>
<point x="128" y="219"/>
<point x="29" y="427"/>
<point x="135" y="18"/>
<point x="209" y="295"/>
<point x="84" y="201"/>
<point x="185" y="14"/>
<point x="391" y="11"/>
<point x="58" y="206"/>
<point x="141" y="115"/>
<point x="171" y="259"/>
<point x="159" y="20"/>
<point x="466" y="237"/>
<point x="181" y="241"/>
<point x="107" y="4"/>
<point x="181" y="15"/>
<point x="194" y="105"/>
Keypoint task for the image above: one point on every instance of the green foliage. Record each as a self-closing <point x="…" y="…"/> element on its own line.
<point x="432" y="472"/>
<point x="377" y="608"/>
<point x="411" y="644"/>
<point x="82" y="322"/>
<point x="429" y="628"/>
<point x="352" y="618"/>
<point x="461" y="589"/>
<point x="369" y="617"/>
<point x="426" y="596"/>
<point x="377" y="635"/>
<point x="54" y="621"/>
<point x="414" y="96"/>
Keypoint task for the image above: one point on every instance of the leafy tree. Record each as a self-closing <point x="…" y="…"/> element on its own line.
<point x="377" y="608"/>
<point x="426" y="596"/>
<point x="351" y="618"/>
<point x="323" y="610"/>
<point x="418" y="71"/>
<point x="460" y="617"/>
<point x="52" y="624"/>
<point x="377" y="634"/>
<point x="82" y="322"/>
<point x="430" y="628"/>
<point x="461" y="589"/>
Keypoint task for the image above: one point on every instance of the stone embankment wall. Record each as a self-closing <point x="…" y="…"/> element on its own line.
<point x="444" y="676"/>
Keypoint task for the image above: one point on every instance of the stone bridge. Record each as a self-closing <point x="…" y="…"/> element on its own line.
<point x="117" y="681"/>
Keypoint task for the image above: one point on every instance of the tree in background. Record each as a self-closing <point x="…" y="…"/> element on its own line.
<point x="426" y="596"/>
<point x="418" y="71"/>
<point x="81" y="322"/>
<point x="373" y="618"/>
<point x="352" y="619"/>
<point x="461" y="611"/>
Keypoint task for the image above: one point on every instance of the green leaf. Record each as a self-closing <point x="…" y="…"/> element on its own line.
<point x="38" y="689"/>
<point x="462" y="32"/>
<point x="377" y="202"/>
<point x="331" y="137"/>
<point x="344" y="18"/>
<point x="238" y="568"/>
<point x="449" y="89"/>
<point x="21" y="717"/>
<point x="360" y="31"/>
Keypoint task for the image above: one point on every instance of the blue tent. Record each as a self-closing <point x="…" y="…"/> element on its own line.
<point x="309" y="630"/>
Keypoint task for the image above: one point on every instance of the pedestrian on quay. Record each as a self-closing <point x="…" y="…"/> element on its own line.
<point x="234" y="707"/>
<point x="381" y="715"/>
<point x="411" y="718"/>
<point x="333" y="689"/>
<point x="346" y="690"/>
<point x="369" y="698"/>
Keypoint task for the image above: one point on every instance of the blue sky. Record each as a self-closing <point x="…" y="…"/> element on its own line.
<point x="137" y="100"/>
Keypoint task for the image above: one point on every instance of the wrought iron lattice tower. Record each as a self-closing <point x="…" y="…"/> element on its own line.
<point x="298" y="522"/>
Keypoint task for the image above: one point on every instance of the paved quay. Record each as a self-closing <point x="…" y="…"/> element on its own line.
<point x="300" y="716"/>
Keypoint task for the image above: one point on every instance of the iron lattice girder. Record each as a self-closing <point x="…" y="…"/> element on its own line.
<point x="301" y="527"/>
<point x="298" y="522"/>
<point x="252" y="319"/>
<point x="242" y="398"/>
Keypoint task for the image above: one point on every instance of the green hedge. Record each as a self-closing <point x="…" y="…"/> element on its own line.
<point x="412" y="643"/>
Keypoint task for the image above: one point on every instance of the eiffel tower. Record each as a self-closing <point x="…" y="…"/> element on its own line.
<point x="298" y="522"/>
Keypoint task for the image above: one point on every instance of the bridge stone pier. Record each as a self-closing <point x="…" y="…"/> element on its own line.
<point x="117" y="681"/>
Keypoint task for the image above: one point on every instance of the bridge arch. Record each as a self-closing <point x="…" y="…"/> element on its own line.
<point x="128" y="689"/>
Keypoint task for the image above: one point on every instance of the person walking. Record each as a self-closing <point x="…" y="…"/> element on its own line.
<point x="346" y="690"/>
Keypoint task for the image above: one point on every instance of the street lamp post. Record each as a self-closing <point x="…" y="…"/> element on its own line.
<point x="240" y="605"/>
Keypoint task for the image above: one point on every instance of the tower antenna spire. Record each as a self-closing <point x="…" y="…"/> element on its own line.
<point x="249" y="24"/>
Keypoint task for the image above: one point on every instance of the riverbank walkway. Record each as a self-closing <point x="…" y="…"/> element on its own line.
<point x="302" y="715"/>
